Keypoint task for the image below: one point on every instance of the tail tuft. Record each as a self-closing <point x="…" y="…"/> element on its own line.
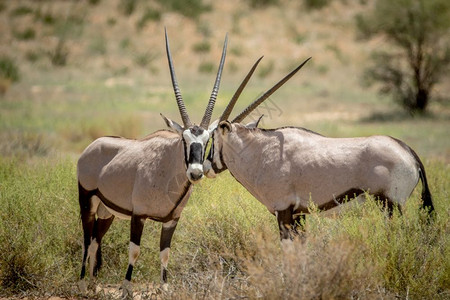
<point x="426" y="194"/>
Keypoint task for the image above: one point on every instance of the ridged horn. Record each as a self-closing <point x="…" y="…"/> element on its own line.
<point x="266" y="95"/>
<point x="226" y="113"/>
<point x="212" y="100"/>
<point x="184" y="115"/>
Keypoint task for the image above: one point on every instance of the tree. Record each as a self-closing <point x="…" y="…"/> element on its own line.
<point x="418" y="32"/>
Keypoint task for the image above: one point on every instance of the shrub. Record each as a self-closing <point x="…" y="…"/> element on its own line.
<point x="21" y="11"/>
<point x="206" y="67"/>
<point x="316" y="4"/>
<point x="266" y="70"/>
<point x="26" y="34"/>
<point x="201" y="47"/>
<point x="420" y="56"/>
<point x="189" y="8"/>
<point x="262" y="3"/>
<point x="127" y="7"/>
<point x="150" y="14"/>
<point x="9" y="69"/>
<point x="59" y="55"/>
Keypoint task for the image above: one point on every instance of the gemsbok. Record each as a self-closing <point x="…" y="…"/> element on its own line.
<point x="286" y="168"/>
<point x="142" y="179"/>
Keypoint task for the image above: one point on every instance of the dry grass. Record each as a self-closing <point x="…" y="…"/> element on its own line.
<point x="226" y="246"/>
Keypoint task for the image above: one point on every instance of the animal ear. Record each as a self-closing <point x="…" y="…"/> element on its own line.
<point x="254" y="124"/>
<point x="213" y="126"/>
<point x="172" y="124"/>
<point x="225" y="127"/>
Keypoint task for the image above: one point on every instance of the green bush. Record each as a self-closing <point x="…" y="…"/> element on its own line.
<point x="316" y="4"/>
<point x="189" y="8"/>
<point x="418" y="31"/>
<point x="58" y="56"/>
<point x="206" y="67"/>
<point x="21" y="11"/>
<point x="262" y="3"/>
<point x="26" y="34"/>
<point x="150" y="14"/>
<point x="9" y="69"/>
<point x="127" y="7"/>
<point x="202" y="47"/>
<point x="266" y="70"/>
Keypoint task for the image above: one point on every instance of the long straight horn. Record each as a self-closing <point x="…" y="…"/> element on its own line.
<point x="226" y="113"/>
<point x="184" y="116"/>
<point x="266" y="95"/>
<point x="212" y="100"/>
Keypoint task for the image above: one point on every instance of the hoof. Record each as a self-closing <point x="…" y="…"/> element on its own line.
<point x="127" y="290"/>
<point x="82" y="286"/>
<point x="164" y="287"/>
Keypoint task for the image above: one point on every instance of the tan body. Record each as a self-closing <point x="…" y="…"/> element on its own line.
<point x="291" y="166"/>
<point x="131" y="179"/>
<point x="287" y="168"/>
<point x="143" y="177"/>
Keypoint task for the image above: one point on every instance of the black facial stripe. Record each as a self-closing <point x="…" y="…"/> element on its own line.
<point x="211" y="158"/>
<point x="185" y="153"/>
<point x="196" y="153"/>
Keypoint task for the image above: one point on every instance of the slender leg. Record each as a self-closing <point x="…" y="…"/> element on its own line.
<point x="137" y="226"/>
<point x="167" y="231"/>
<point x="285" y="223"/>
<point x="87" y="220"/>
<point x="102" y="226"/>
<point x="387" y="203"/>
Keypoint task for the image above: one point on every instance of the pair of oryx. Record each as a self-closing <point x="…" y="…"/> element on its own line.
<point x="283" y="168"/>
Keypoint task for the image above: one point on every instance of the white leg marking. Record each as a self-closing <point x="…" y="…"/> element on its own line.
<point x="164" y="257"/>
<point x="170" y="223"/>
<point x="133" y="253"/>
<point x="95" y="202"/>
<point x="92" y="251"/>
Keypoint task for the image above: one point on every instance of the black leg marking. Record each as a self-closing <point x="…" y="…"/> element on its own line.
<point x="129" y="272"/>
<point x="137" y="226"/>
<point x="387" y="203"/>
<point x="87" y="220"/>
<point x="164" y="247"/>
<point x="102" y="226"/>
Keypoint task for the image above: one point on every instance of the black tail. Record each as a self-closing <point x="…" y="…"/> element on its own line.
<point x="426" y="194"/>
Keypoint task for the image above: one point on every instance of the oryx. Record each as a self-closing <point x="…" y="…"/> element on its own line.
<point x="142" y="179"/>
<point x="285" y="168"/>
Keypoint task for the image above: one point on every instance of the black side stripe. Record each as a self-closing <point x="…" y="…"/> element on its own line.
<point x="338" y="200"/>
<point x="127" y="212"/>
<point x="111" y="205"/>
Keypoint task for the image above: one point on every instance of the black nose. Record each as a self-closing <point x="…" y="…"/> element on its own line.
<point x="196" y="176"/>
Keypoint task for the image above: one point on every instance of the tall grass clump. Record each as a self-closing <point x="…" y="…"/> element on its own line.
<point x="38" y="243"/>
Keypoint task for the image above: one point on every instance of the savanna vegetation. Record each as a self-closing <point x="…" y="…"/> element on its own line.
<point x="72" y="71"/>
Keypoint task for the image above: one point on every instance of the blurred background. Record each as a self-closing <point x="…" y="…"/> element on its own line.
<point x="72" y="71"/>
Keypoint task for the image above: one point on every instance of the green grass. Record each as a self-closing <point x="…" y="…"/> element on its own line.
<point x="226" y="243"/>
